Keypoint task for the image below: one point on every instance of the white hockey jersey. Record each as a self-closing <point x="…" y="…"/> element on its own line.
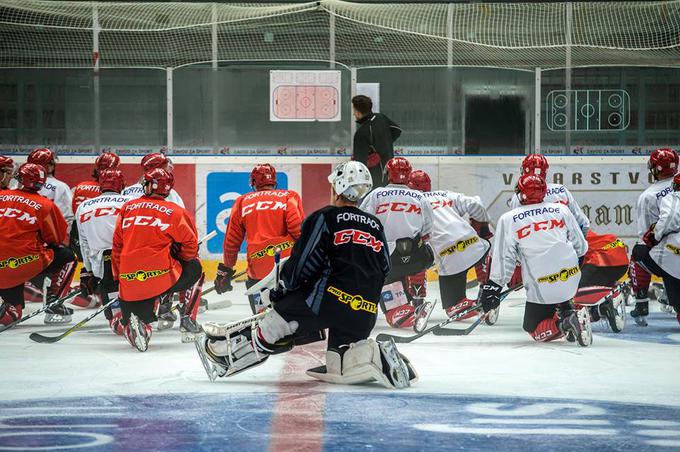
<point x="96" y="220"/>
<point x="547" y="241"/>
<point x="648" y="204"/>
<point x="560" y="194"/>
<point x="60" y="193"/>
<point x="403" y="212"/>
<point x="456" y="244"/>
<point x="667" y="231"/>
<point x="137" y="191"/>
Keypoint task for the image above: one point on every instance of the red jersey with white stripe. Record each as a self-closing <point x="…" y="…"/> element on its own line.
<point x="83" y="191"/>
<point x="28" y="222"/>
<point x="146" y="229"/>
<point x="267" y="219"/>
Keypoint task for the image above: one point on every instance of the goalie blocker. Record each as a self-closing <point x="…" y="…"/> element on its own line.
<point x="333" y="281"/>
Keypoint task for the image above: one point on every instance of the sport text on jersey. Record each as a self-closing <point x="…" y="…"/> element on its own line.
<point x="100" y="199"/>
<point x="459" y="246"/>
<point x="359" y="237"/>
<point x="562" y="275"/>
<point x="271" y="249"/>
<point x="149" y="205"/>
<point x="358" y="218"/>
<point x="14" y="262"/>
<point x="555" y="190"/>
<point x="356" y="302"/>
<point x="664" y="192"/>
<point x="405" y="207"/>
<point x="527" y="230"/>
<point x="673" y="249"/>
<point x="391" y="192"/>
<point x="143" y="275"/>
<point x="257" y="194"/>
<point x="18" y="198"/>
<point x="615" y="244"/>
<point x="100" y="212"/>
<point x="263" y="205"/>
<point x="532" y="212"/>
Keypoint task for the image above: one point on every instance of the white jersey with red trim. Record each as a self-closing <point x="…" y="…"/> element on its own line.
<point x="96" y="220"/>
<point x="667" y="231"/>
<point x="547" y="241"/>
<point x="404" y="213"/>
<point x="456" y="244"/>
<point x="648" y="204"/>
<point x="560" y="194"/>
<point x="60" y="193"/>
<point x="137" y="191"/>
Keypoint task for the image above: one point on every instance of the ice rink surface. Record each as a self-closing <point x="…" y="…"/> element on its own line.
<point x="494" y="389"/>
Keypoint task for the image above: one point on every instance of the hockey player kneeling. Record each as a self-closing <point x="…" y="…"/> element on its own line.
<point x="332" y="280"/>
<point x="547" y="241"/>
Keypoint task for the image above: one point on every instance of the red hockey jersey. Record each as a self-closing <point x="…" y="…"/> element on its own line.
<point x="83" y="191"/>
<point x="28" y="223"/>
<point x="146" y="229"/>
<point x="267" y="219"/>
<point x="605" y="250"/>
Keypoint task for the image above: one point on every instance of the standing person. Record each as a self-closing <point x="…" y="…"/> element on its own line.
<point x="53" y="188"/>
<point x="6" y="172"/>
<point x="149" y="162"/>
<point x="33" y="232"/>
<point x="663" y="165"/>
<point x="660" y="253"/>
<point x="268" y="219"/>
<point x="457" y="246"/>
<point x="96" y="220"/>
<point x="546" y="239"/>
<point x="83" y="191"/>
<point x="374" y="138"/>
<point x="332" y="280"/>
<point x="407" y="218"/>
<point x="154" y="254"/>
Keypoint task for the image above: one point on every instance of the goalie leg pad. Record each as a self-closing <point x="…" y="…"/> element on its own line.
<point x="546" y="331"/>
<point x="364" y="362"/>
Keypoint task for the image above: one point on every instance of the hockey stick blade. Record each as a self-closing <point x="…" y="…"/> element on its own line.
<point x="41" y="310"/>
<point x="41" y="339"/>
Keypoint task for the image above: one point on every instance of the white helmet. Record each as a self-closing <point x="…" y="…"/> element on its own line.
<point x="351" y="180"/>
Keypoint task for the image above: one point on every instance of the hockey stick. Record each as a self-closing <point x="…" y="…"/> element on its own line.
<point x="466" y="331"/>
<point x="43" y="309"/>
<point x="442" y="324"/>
<point x="37" y="337"/>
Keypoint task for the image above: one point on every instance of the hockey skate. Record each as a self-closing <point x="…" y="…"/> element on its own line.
<point x="640" y="313"/>
<point x="422" y="315"/>
<point x="492" y="316"/>
<point x="188" y="329"/>
<point x="576" y="325"/>
<point x="396" y="366"/>
<point x="138" y="333"/>
<point x="616" y="318"/>
<point x="57" y="315"/>
<point x="662" y="298"/>
<point x="166" y="315"/>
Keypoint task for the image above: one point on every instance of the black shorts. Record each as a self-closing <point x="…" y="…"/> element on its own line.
<point x="601" y="276"/>
<point x="672" y="284"/>
<point x="345" y="324"/>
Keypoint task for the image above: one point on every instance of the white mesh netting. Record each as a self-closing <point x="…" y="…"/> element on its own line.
<point x="520" y="36"/>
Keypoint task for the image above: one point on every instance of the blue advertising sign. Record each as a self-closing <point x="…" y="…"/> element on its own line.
<point x="222" y="188"/>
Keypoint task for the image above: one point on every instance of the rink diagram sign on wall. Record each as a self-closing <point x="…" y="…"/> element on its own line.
<point x="304" y="95"/>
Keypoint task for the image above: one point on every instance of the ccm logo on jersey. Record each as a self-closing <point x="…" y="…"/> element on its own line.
<point x="459" y="246"/>
<point x="397" y="207"/>
<point x="358" y="237"/>
<point x="526" y="231"/>
<point x="143" y="275"/>
<point x="14" y="262"/>
<point x="562" y="275"/>
<point x="674" y="249"/>
<point x="356" y="302"/>
<point x="436" y="204"/>
<point x="142" y="220"/>
<point x="101" y="212"/>
<point x="271" y="249"/>
<point x="263" y="205"/>
<point x="9" y="212"/>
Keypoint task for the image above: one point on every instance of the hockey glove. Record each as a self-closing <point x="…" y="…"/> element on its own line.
<point x="482" y="229"/>
<point x="175" y="249"/>
<point x="649" y="238"/>
<point x="88" y="283"/>
<point x="490" y="296"/>
<point x="223" y="279"/>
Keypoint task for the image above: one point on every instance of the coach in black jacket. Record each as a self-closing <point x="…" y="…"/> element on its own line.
<point x="374" y="138"/>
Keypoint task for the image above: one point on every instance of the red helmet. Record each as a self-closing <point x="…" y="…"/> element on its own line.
<point x="31" y="176"/>
<point x="535" y="164"/>
<point x="42" y="156"/>
<point x="111" y="180"/>
<point x="663" y="163"/>
<point x="531" y="189"/>
<point x="6" y="171"/>
<point x="398" y="170"/>
<point x="419" y="180"/>
<point x="155" y="160"/>
<point x="158" y="181"/>
<point x="676" y="182"/>
<point x="262" y="175"/>
<point x="105" y="161"/>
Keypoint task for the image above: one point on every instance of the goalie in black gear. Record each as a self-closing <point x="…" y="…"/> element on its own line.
<point x="333" y="280"/>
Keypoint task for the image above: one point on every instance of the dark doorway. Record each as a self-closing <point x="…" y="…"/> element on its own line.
<point x="494" y="126"/>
